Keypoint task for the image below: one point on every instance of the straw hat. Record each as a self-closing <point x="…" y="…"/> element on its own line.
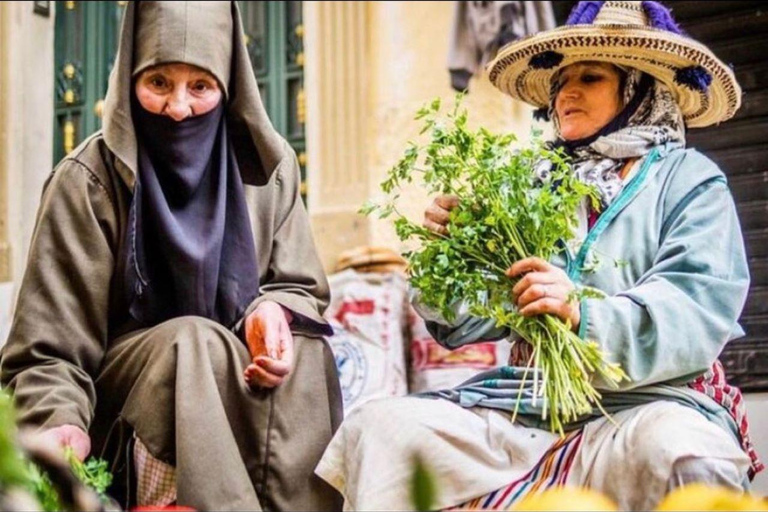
<point x="371" y="259"/>
<point x="641" y="35"/>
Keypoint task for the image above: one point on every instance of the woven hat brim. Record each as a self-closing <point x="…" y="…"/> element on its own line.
<point x="365" y="256"/>
<point x="659" y="53"/>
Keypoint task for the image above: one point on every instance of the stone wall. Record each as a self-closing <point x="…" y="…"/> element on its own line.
<point x="408" y="69"/>
<point x="26" y="134"/>
<point x="397" y="64"/>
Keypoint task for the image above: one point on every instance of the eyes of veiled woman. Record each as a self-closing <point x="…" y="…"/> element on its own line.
<point x="178" y="90"/>
<point x="159" y="83"/>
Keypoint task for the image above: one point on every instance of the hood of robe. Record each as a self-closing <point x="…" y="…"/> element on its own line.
<point x="208" y="35"/>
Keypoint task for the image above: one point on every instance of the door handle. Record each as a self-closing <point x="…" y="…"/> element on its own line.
<point x="98" y="108"/>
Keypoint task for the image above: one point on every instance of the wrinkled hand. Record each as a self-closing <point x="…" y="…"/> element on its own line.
<point x="270" y="343"/>
<point x="436" y="216"/>
<point x="69" y="435"/>
<point x="544" y="289"/>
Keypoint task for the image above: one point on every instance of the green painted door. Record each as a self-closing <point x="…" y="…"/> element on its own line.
<point x="274" y="34"/>
<point x="86" y="44"/>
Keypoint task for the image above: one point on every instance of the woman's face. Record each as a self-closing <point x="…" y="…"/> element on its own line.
<point x="178" y="91"/>
<point x="588" y="98"/>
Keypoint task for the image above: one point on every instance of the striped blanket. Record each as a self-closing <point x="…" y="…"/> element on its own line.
<point x="551" y="471"/>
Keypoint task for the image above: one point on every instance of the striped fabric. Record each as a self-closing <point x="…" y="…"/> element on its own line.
<point x="714" y="385"/>
<point x="554" y="467"/>
<point x="551" y="471"/>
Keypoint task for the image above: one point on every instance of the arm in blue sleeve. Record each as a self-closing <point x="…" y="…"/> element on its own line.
<point x="463" y="330"/>
<point x="680" y="314"/>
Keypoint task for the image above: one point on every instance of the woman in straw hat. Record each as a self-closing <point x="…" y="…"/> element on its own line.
<point x="622" y="85"/>
<point x="167" y="246"/>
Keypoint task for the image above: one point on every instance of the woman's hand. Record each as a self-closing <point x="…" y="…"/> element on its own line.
<point x="72" y="436"/>
<point x="544" y="289"/>
<point x="436" y="216"/>
<point x="270" y="343"/>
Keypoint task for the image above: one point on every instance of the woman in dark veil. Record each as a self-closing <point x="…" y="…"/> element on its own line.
<point x="173" y="290"/>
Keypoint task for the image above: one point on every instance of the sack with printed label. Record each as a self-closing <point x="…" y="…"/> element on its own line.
<point x="433" y="367"/>
<point x="367" y="313"/>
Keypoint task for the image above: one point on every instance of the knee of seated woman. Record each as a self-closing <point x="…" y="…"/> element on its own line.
<point x="650" y="428"/>
<point x="374" y="411"/>
<point x="707" y="470"/>
<point x="664" y="435"/>
<point x="193" y="331"/>
<point x="388" y="417"/>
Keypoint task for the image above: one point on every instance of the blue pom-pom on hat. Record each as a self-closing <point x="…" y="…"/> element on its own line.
<point x="584" y="13"/>
<point x="545" y="60"/>
<point x="695" y="77"/>
<point x="661" y="17"/>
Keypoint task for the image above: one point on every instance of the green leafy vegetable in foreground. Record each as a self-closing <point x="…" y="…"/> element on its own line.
<point x="94" y="473"/>
<point x="505" y="213"/>
<point x="423" y="487"/>
<point x="16" y="471"/>
<point x="44" y="490"/>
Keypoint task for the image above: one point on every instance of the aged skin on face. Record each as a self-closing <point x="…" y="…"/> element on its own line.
<point x="588" y="98"/>
<point x="177" y="90"/>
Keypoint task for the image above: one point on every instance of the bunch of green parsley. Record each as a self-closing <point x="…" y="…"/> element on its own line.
<point x="18" y="472"/>
<point x="505" y="213"/>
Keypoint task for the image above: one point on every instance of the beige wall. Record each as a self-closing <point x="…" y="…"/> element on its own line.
<point x="336" y="82"/>
<point x="408" y="68"/>
<point x="403" y="52"/>
<point x="5" y="247"/>
<point x="27" y="122"/>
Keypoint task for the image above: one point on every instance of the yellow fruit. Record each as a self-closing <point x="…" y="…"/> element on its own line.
<point x="567" y="498"/>
<point x="703" y="497"/>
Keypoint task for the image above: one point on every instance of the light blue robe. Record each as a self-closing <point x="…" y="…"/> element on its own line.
<point x="671" y="306"/>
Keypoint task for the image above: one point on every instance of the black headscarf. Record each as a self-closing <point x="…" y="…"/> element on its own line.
<point x="189" y="247"/>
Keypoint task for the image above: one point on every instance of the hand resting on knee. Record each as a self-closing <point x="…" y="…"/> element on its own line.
<point x="270" y="343"/>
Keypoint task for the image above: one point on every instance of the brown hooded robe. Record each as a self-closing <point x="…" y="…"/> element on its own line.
<point x="73" y="355"/>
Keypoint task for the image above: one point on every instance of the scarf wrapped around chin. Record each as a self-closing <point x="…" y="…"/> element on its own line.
<point x="190" y="248"/>
<point x="650" y="117"/>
